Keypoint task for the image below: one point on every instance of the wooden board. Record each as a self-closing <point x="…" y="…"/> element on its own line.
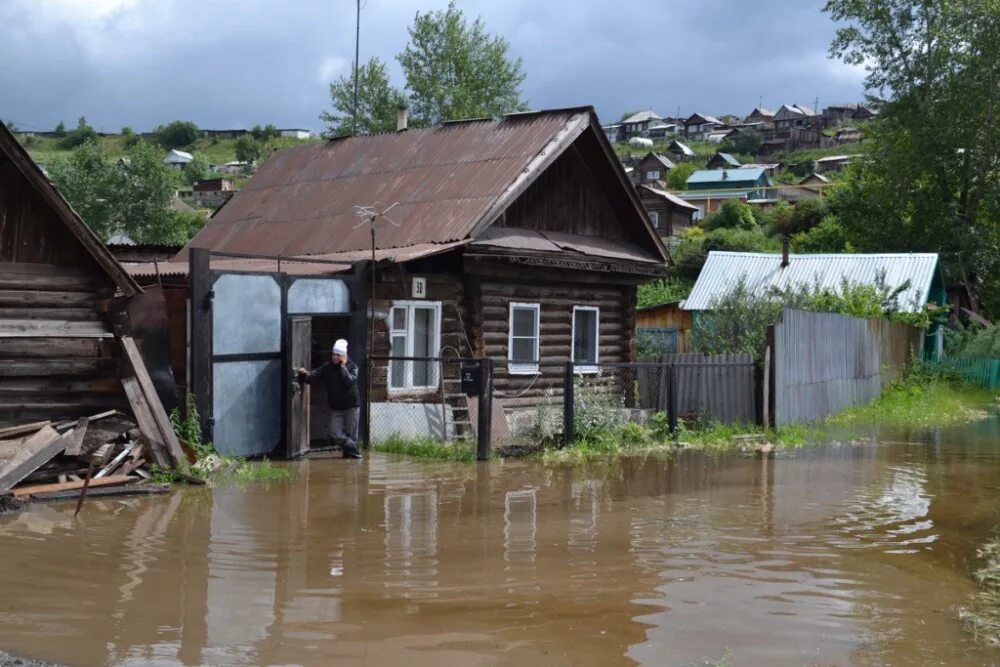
<point x="47" y="299"/>
<point x="297" y="424"/>
<point x="129" y="490"/>
<point x="11" y="431"/>
<point x="145" y="420"/>
<point x="48" y="313"/>
<point x="46" y="367"/>
<point x="53" y="328"/>
<point x="74" y="438"/>
<point x="25" y="346"/>
<point x="113" y="480"/>
<point x="38" y="450"/>
<point x="153" y="401"/>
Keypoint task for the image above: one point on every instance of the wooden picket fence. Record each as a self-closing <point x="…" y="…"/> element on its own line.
<point x="980" y="372"/>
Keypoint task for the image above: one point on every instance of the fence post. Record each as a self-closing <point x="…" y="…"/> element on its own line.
<point x="672" y="404"/>
<point x="568" y="401"/>
<point x="485" y="409"/>
<point x="366" y="423"/>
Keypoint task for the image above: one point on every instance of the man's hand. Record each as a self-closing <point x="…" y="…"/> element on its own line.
<point x="303" y="371"/>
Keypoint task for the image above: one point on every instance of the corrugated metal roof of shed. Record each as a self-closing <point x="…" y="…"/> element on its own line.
<point x="763" y="271"/>
<point x="740" y="175"/>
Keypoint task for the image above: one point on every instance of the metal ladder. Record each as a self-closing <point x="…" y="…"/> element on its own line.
<point x="460" y="427"/>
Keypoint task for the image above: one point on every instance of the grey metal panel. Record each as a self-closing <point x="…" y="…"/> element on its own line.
<point x="246" y="314"/>
<point x="763" y="271"/>
<point x="246" y="406"/>
<point x="824" y="362"/>
<point x="316" y="295"/>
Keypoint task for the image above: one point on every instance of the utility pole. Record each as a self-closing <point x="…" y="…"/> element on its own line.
<point x="357" y="50"/>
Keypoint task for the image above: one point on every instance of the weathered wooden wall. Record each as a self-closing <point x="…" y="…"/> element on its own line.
<point x="824" y="362"/>
<point x="667" y="316"/>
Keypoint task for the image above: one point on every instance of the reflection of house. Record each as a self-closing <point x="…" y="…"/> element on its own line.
<point x="653" y="168"/>
<point x="527" y="238"/>
<point x="177" y="159"/>
<point x="698" y="126"/>
<point x="669" y="213"/>
<point x="723" y="161"/>
<point x="212" y="192"/>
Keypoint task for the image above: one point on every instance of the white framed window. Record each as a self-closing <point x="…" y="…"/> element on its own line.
<point x="522" y="342"/>
<point x="700" y="213"/>
<point x="652" y="175"/>
<point x="654" y="217"/>
<point x="586" y="338"/>
<point x="414" y="331"/>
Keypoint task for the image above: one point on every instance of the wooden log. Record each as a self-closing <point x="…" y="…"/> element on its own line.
<point x="38" y="450"/>
<point x="12" y="412"/>
<point x="153" y="401"/>
<point x="44" y="313"/>
<point x="47" y="299"/>
<point x="25" y="346"/>
<point x="143" y="417"/>
<point x="49" y="277"/>
<point x="56" y="386"/>
<point x="113" y="480"/>
<point x="48" y="367"/>
<point x="53" y="329"/>
<point x="11" y="431"/>
<point x="108" y="491"/>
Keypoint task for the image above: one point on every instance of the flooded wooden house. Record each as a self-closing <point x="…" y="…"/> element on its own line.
<point x="66" y="342"/>
<point x="518" y="239"/>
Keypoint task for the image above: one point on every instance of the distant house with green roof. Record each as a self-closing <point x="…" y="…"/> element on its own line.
<point x="709" y="188"/>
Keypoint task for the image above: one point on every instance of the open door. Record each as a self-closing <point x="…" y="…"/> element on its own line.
<point x="299" y="347"/>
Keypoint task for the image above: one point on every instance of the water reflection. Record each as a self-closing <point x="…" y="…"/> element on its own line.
<point x="840" y="555"/>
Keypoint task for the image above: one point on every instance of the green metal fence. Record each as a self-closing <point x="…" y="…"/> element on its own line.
<point x="983" y="373"/>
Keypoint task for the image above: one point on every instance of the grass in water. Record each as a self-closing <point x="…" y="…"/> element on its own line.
<point x="426" y="448"/>
<point x="249" y="472"/>
<point x="935" y="403"/>
<point x="982" y="616"/>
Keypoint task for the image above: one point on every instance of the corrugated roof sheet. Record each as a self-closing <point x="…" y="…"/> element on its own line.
<point x="741" y="175"/>
<point x="729" y="159"/>
<point x="683" y="149"/>
<point x="642" y="117"/>
<point x="446" y="179"/>
<point x="763" y="271"/>
<point x="559" y="242"/>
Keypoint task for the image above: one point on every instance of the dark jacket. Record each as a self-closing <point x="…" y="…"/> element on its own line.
<point x="340" y="382"/>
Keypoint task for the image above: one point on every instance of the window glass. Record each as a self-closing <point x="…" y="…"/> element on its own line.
<point x="416" y="332"/>
<point x="585" y="334"/>
<point x="423" y="346"/>
<point x="399" y="318"/>
<point x="654" y="217"/>
<point x="524" y="322"/>
<point x="524" y="336"/>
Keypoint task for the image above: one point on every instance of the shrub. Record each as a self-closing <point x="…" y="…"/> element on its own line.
<point x="176" y="134"/>
<point x="733" y="214"/>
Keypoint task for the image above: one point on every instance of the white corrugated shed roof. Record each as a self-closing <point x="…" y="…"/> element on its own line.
<point x="763" y="271"/>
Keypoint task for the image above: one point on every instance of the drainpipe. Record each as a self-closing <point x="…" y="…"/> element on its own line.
<point x="784" y="251"/>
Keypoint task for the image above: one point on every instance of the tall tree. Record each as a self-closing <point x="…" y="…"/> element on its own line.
<point x="378" y="102"/>
<point x="928" y="180"/>
<point x="455" y="70"/>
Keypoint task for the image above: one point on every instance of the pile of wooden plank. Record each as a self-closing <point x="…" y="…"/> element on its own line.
<point x="103" y="454"/>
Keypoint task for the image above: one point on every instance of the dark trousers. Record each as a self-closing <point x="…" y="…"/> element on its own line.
<point x="344" y="429"/>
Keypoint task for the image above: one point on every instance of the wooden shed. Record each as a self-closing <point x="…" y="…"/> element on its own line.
<point x="663" y="329"/>
<point x="66" y="349"/>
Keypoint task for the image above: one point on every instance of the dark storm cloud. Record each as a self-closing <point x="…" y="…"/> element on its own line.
<point x="235" y="64"/>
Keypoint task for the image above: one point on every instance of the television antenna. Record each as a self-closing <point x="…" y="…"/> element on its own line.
<point x="372" y="216"/>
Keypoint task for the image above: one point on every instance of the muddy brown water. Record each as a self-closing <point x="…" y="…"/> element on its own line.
<point x="832" y="555"/>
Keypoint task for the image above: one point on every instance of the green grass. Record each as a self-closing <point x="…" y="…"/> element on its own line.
<point x="215" y="150"/>
<point x="716" y="435"/>
<point x="982" y="616"/>
<point x="938" y="403"/>
<point x="426" y="448"/>
<point x="252" y="472"/>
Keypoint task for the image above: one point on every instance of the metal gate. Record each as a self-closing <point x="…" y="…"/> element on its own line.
<point x="243" y="381"/>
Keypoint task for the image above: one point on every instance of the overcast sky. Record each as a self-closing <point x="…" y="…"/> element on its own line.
<point x="236" y="63"/>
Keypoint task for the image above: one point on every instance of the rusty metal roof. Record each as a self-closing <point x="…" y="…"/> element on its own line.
<point x="448" y="180"/>
<point x="559" y="242"/>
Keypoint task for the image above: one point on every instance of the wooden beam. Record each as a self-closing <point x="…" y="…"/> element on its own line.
<point x="53" y="347"/>
<point x="53" y="329"/>
<point x="12" y="431"/>
<point x="74" y="438"/>
<point x="48" y="367"/>
<point x="38" y="450"/>
<point x="144" y="418"/>
<point x="153" y="400"/>
<point x="113" y="480"/>
<point x="84" y="314"/>
<point x="23" y="298"/>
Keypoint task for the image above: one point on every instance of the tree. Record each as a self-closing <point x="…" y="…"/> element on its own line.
<point x="265" y="133"/>
<point x="81" y="135"/>
<point x="928" y="180"/>
<point x="250" y="150"/>
<point x="744" y="143"/>
<point x="454" y="70"/>
<point x="118" y="198"/>
<point x="197" y="169"/>
<point x="733" y="214"/>
<point x="60" y="130"/>
<point x="378" y="102"/>
<point x="176" y="134"/>
<point x="126" y="131"/>
<point x="678" y="176"/>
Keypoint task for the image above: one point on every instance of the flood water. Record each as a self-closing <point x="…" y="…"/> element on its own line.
<point x="833" y="555"/>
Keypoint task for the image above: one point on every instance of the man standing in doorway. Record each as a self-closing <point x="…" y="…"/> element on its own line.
<point x="340" y="379"/>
